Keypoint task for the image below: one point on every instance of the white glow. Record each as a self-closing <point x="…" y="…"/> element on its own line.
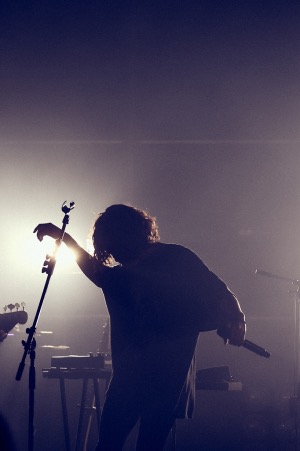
<point x="35" y="253"/>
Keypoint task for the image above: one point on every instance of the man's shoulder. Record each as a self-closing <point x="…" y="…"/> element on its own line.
<point x="176" y="251"/>
<point x="174" y="247"/>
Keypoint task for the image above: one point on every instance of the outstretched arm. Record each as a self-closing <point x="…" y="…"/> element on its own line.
<point x="90" y="267"/>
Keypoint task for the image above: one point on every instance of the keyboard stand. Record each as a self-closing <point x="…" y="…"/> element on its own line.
<point x="86" y="375"/>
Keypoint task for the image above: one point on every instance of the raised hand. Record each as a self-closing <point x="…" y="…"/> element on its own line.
<point x="47" y="229"/>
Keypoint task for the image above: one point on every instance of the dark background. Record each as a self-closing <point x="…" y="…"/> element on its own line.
<point x="188" y="109"/>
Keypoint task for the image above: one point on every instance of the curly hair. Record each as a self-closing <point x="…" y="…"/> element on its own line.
<point x="122" y="225"/>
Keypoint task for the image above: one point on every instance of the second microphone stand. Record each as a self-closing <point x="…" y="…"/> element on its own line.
<point x="295" y="399"/>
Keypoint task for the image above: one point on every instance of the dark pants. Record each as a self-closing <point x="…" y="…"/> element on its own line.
<point x="125" y="405"/>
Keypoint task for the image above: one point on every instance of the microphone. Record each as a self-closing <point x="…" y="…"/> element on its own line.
<point x="263" y="273"/>
<point x="256" y="349"/>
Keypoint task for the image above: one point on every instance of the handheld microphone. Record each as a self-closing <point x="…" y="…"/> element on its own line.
<point x="256" y="349"/>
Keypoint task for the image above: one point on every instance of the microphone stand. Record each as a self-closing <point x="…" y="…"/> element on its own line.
<point x="30" y="344"/>
<point x="294" y="400"/>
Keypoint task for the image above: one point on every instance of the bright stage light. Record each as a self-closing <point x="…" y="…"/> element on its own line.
<point x="36" y="252"/>
<point x="65" y="257"/>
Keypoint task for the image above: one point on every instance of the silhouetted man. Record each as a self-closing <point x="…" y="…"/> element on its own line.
<point x="159" y="297"/>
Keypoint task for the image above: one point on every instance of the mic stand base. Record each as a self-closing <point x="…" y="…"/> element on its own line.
<point x="31" y="396"/>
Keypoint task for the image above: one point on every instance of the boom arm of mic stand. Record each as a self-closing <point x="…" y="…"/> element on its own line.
<point x="260" y="272"/>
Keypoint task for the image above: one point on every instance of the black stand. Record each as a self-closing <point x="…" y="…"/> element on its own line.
<point x="30" y="344"/>
<point x="31" y="395"/>
<point x="295" y="399"/>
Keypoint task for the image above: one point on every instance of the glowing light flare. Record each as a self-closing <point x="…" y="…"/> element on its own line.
<point x="65" y="256"/>
<point x="34" y="253"/>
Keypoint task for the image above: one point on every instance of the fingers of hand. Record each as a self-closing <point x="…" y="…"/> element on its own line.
<point x="39" y="233"/>
<point x="238" y="331"/>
